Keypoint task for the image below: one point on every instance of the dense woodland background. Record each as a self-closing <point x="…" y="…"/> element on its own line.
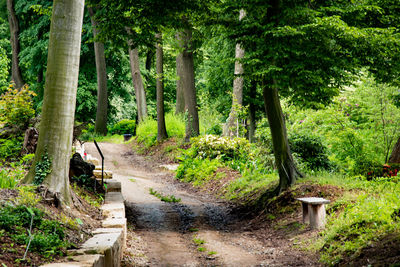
<point x="298" y="89"/>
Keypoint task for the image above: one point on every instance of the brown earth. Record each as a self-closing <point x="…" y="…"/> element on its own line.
<point x="164" y="234"/>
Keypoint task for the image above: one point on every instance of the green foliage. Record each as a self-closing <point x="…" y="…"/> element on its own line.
<point x="42" y="169"/>
<point x="48" y="235"/>
<point x="16" y="106"/>
<point x="10" y="148"/>
<point x="311" y="151"/>
<point x="224" y="148"/>
<point x="10" y="176"/>
<point x="4" y="62"/>
<point x="168" y="199"/>
<point x="147" y="130"/>
<point x="198" y="171"/>
<point x="123" y="127"/>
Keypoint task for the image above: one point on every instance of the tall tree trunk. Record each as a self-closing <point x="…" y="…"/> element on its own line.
<point x="102" y="94"/>
<point x="161" y="130"/>
<point x="138" y="84"/>
<point x="14" y="31"/>
<point x="180" y="96"/>
<point x="252" y="111"/>
<point x="187" y="79"/>
<point x="56" y="126"/>
<point x="237" y="96"/>
<point x="287" y="169"/>
<point x="395" y="155"/>
<point x="149" y="58"/>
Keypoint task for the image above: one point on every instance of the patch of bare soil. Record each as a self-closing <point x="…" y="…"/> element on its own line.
<point x="11" y="252"/>
<point x="202" y="230"/>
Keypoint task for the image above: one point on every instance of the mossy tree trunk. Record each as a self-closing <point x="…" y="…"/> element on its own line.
<point x="180" y="96"/>
<point x="16" y="75"/>
<point x="161" y="130"/>
<point x="102" y="92"/>
<point x="287" y="169"/>
<point x="56" y="126"/>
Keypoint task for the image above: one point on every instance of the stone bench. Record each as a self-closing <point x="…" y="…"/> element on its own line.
<point x="314" y="211"/>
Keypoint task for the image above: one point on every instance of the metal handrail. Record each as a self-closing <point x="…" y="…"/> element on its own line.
<point x="102" y="163"/>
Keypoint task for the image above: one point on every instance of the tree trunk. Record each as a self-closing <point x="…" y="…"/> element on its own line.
<point x="149" y="59"/>
<point x="14" y="31"/>
<point x="252" y="111"/>
<point x="287" y="169"/>
<point x="138" y="84"/>
<point x="161" y="130"/>
<point x="102" y="94"/>
<point x="56" y="126"/>
<point x="395" y="156"/>
<point x="187" y="79"/>
<point x="180" y="96"/>
<point x="230" y="127"/>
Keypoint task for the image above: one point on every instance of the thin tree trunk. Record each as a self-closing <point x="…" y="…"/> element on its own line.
<point x="180" y="96"/>
<point x="102" y="92"/>
<point x="187" y="79"/>
<point x="56" y="126"/>
<point x="161" y="130"/>
<point x="237" y="96"/>
<point x="16" y="75"/>
<point x="287" y="169"/>
<point x="149" y="58"/>
<point x="138" y="84"/>
<point x="252" y="111"/>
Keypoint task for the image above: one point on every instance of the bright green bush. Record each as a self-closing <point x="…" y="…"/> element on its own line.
<point x="16" y="106"/>
<point x="198" y="171"/>
<point x="10" y="148"/>
<point x="146" y="131"/>
<point x="123" y="127"/>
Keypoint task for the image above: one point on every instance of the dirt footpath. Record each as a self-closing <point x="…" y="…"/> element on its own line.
<point x="198" y="231"/>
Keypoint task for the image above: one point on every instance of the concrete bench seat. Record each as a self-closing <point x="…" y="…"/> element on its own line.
<point x="314" y="211"/>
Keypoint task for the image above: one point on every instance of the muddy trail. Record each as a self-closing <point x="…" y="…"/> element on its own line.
<point x="198" y="231"/>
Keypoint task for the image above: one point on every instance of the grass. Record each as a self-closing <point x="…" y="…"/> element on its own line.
<point x="133" y="180"/>
<point x="168" y="199"/>
<point x="147" y="130"/>
<point x="10" y="176"/>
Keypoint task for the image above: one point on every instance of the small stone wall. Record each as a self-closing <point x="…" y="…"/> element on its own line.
<point x="106" y="246"/>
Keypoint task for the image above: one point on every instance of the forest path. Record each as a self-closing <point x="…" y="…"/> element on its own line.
<point x="165" y="233"/>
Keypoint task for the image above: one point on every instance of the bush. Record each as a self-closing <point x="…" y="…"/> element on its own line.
<point x="311" y="151"/>
<point x="224" y="148"/>
<point x="197" y="170"/>
<point x="16" y="106"/>
<point x="10" y="148"/>
<point x="123" y="127"/>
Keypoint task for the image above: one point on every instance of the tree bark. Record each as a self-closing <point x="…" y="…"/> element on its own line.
<point x="395" y="155"/>
<point x="237" y="96"/>
<point x="149" y="59"/>
<point x="180" y="96"/>
<point x="287" y="169"/>
<point x="102" y="92"/>
<point x="56" y="126"/>
<point x="252" y="111"/>
<point x="138" y="84"/>
<point x="187" y="79"/>
<point x="161" y="130"/>
<point x="16" y="75"/>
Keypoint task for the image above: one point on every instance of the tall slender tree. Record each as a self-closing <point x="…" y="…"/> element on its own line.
<point x="16" y="75"/>
<point x="55" y="135"/>
<point x="138" y="84"/>
<point x="102" y="92"/>
<point x="161" y="130"/>
<point x="180" y="96"/>
<point x="238" y="84"/>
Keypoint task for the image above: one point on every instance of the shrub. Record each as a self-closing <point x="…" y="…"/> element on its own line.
<point x="224" y="148"/>
<point x="197" y="170"/>
<point x="16" y="106"/>
<point x="123" y="127"/>
<point x="10" y="148"/>
<point x="311" y="151"/>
